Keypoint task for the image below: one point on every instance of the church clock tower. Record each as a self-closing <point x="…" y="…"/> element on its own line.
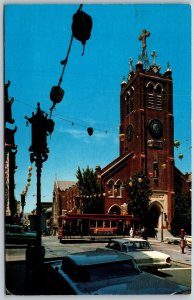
<point x="146" y="128"/>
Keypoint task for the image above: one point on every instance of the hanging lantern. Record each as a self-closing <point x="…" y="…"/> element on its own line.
<point x="29" y="180"/>
<point x="90" y="131"/>
<point x="122" y="137"/>
<point x="180" y="156"/>
<point x="56" y="94"/>
<point x="176" y="144"/>
<point x="29" y="174"/>
<point x="163" y="166"/>
<point x="81" y="27"/>
<point x="50" y="125"/>
<point x="30" y="168"/>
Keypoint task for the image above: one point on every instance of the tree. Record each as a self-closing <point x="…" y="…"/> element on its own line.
<point x="90" y="191"/>
<point x="182" y="214"/>
<point x="139" y="192"/>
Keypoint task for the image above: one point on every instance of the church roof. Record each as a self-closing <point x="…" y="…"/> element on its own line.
<point x="115" y="163"/>
<point x="63" y="185"/>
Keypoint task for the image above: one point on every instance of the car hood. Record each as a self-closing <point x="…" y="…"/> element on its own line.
<point x="145" y="256"/>
<point x="143" y="284"/>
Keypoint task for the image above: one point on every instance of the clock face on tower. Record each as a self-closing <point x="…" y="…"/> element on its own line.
<point x="155" y="128"/>
<point x="129" y="132"/>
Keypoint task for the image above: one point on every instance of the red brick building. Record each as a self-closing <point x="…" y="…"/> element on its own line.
<point x="146" y="142"/>
<point x="64" y="198"/>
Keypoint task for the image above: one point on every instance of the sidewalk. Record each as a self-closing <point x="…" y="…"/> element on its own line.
<point x="178" y="256"/>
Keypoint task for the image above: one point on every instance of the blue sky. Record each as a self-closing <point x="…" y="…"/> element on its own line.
<point x="36" y="40"/>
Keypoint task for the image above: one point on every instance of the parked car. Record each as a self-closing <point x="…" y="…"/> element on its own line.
<point x="188" y="241"/>
<point x="142" y="252"/>
<point x="17" y="234"/>
<point x="177" y="240"/>
<point x="172" y="240"/>
<point x="103" y="272"/>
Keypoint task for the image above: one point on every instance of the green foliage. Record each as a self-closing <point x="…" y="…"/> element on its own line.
<point x="182" y="214"/>
<point x="90" y="191"/>
<point x="139" y="192"/>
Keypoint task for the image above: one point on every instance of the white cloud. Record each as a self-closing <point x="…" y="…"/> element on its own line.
<point x="75" y="133"/>
<point x="97" y="136"/>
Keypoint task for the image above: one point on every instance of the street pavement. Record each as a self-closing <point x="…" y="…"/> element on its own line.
<point x="15" y="274"/>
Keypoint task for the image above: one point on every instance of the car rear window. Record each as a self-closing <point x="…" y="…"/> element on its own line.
<point x="98" y="272"/>
<point x="113" y="270"/>
<point x="136" y="245"/>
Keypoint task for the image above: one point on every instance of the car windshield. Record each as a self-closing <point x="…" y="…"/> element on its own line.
<point x="136" y="245"/>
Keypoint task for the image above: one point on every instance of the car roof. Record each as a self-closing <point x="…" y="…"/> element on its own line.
<point x="99" y="256"/>
<point x="13" y="226"/>
<point x="122" y="240"/>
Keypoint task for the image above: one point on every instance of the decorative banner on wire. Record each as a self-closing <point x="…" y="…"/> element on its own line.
<point x="24" y="192"/>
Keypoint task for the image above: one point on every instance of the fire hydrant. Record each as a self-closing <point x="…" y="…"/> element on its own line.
<point x="182" y="242"/>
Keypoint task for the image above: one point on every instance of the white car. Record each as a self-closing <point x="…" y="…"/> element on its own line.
<point x="172" y="240"/>
<point x="103" y="272"/>
<point x="142" y="252"/>
<point x="188" y="241"/>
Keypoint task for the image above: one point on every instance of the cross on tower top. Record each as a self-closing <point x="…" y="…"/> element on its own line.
<point x="131" y="64"/>
<point x="144" y="56"/>
<point x="154" y="55"/>
<point x="143" y="37"/>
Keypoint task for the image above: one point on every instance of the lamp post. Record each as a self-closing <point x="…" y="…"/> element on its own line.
<point x="162" y="221"/>
<point x="41" y="127"/>
<point x="23" y="202"/>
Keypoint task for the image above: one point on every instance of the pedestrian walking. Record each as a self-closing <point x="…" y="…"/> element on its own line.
<point x="131" y="232"/>
<point x="156" y="234"/>
<point x="144" y="233"/>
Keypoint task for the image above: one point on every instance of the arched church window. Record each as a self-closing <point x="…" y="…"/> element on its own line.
<point x="159" y="97"/>
<point x="119" y="188"/>
<point x="154" y="96"/>
<point x="150" y="96"/>
<point x="130" y="101"/>
<point x="111" y="188"/>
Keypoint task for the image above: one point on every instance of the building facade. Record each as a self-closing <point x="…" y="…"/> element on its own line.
<point x="11" y="205"/>
<point x="146" y="139"/>
<point x="146" y="142"/>
<point x="64" y="199"/>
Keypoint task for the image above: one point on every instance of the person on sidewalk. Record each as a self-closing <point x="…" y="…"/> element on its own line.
<point x="144" y="233"/>
<point x="156" y="234"/>
<point x="131" y="232"/>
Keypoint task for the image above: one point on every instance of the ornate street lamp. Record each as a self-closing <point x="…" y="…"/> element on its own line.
<point x="41" y="127"/>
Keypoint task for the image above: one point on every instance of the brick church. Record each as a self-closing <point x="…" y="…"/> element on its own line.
<point x="146" y="141"/>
